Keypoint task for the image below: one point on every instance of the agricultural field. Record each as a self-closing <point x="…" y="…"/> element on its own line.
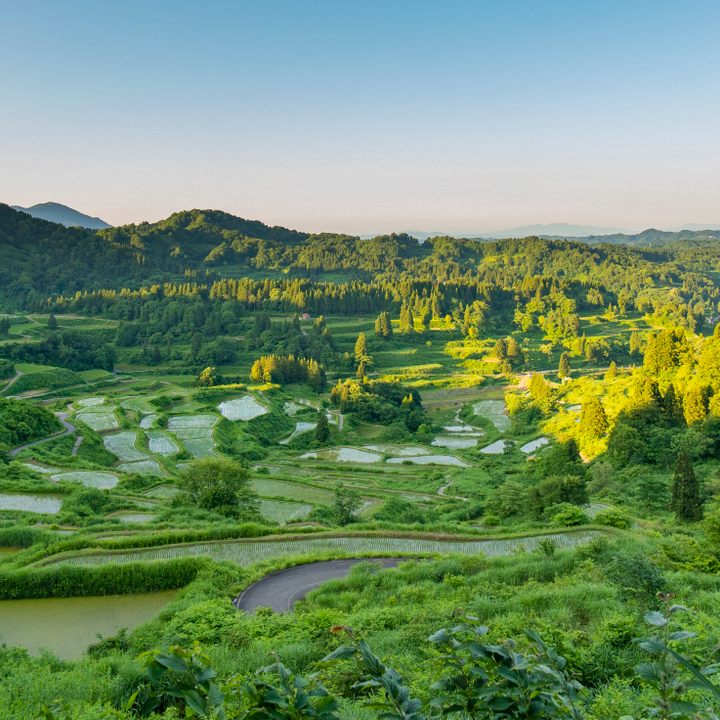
<point x="115" y="493"/>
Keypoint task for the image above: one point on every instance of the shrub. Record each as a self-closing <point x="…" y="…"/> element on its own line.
<point x="566" y="515"/>
<point x="613" y="518"/>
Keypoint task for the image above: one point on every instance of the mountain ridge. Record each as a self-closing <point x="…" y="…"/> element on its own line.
<point x="63" y="215"/>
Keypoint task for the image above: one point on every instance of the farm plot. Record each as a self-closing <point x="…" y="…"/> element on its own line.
<point x="283" y="512"/>
<point x="244" y="408"/>
<point x="160" y="443"/>
<point x="135" y="518"/>
<point x="496" y="448"/>
<point x="141" y="467"/>
<point x="292" y="408"/>
<point x="454" y="443"/>
<point x="495" y="411"/>
<point x="300" y="428"/>
<point x="99" y="421"/>
<point x="343" y="454"/>
<point x="89" y="478"/>
<point x="162" y="491"/>
<point x="91" y="402"/>
<point x="44" y="504"/>
<point x="428" y="460"/>
<point x="138" y="404"/>
<point x="147" y="421"/>
<point x="297" y="491"/>
<point x="122" y="445"/>
<point x="195" y="431"/>
<point x="399" y="450"/>
<point x="534" y="445"/>
<point x="248" y="552"/>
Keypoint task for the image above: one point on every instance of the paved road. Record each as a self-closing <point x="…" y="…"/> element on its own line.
<point x="281" y="590"/>
<point x="69" y="430"/>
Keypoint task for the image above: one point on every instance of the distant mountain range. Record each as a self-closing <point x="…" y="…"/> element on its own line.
<point x="69" y="217"/>
<point x="63" y="215"/>
<point x="560" y="230"/>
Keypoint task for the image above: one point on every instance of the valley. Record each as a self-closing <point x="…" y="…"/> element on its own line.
<point x="533" y="449"/>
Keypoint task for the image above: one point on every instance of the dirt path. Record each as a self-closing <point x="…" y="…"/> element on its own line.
<point x="442" y="490"/>
<point x="13" y="380"/>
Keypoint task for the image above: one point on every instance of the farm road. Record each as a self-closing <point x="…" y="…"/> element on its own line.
<point x="69" y="430"/>
<point x="281" y="590"/>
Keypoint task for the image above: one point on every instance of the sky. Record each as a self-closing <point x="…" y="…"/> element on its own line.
<point x="365" y="116"/>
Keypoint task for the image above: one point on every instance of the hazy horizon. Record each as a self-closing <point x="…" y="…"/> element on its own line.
<point x="473" y="117"/>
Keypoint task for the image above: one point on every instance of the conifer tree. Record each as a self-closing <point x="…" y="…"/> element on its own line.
<point x="52" y="323"/>
<point x="564" y="366"/>
<point x="515" y="354"/>
<point x="540" y="393"/>
<point x="611" y="373"/>
<point x="673" y="406"/>
<point x="593" y="420"/>
<point x="695" y="404"/>
<point x="407" y="320"/>
<point x="383" y="326"/>
<point x="322" y="430"/>
<point x="686" y="503"/>
<point x="361" y="350"/>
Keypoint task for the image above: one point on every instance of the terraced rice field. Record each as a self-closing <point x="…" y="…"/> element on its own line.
<point x="455" y="443"/>
<point x="281" y="488"/>
<point x="90" y="402"/>
<point x="141" y="467"/>
<point x="138" y="404"/>
<point x="343" y="454"/>
<point x="160" y="443"/>
<point x="89" y="478"/>
<point x="244" y="408"/>
<point x="300" y="428"/>
<point x="99" y="421"/>
<point x="45" y="504"/>
<point x="398" y="450"/>
<point x="428" y="460"/>
<point x="283" y="512"/>
<point x="534" y="445"/>
<point x="496" y="448"/>
<point x="162" y="491"/>
<point x="248" y="552"/>
<point x="495" y="411"/>
<point x="195" y="432"/>
<point x="122" y="445"/>
<point x="130" y="517"/>
<point x="147" y="421"/>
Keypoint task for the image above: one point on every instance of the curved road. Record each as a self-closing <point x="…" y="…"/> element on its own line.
<point x="69" y="430"/>
<point x="281" y="590"/>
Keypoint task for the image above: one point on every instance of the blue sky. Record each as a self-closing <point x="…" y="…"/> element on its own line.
<point x="365" y="116"/>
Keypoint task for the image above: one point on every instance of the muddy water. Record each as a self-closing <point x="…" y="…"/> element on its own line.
<point x="67" y="626"/>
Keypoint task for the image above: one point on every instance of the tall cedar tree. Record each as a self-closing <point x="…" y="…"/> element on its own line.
<point x="564" y="366"/>
<point x="593" y="420"/>
<point x="322" y="430"/>
<point x="686" y="503"/>
<point x="361" y="349"/>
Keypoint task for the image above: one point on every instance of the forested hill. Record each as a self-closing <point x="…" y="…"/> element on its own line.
<point x="39" y="259"/>
<point x="657" y="238"/>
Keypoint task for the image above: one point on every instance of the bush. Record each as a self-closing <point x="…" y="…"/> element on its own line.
<point x="566" y="515"/>
<point x="613" y="518"/>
